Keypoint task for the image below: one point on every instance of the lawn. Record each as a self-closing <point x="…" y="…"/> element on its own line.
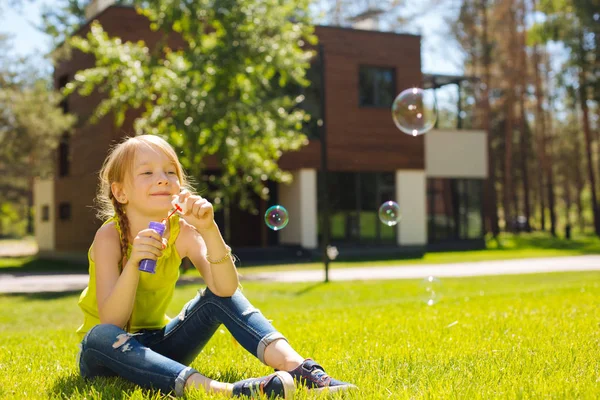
<point x="529" y="336"/>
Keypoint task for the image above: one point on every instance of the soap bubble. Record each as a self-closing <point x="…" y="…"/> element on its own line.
<point x="389" y="213"/>
<point x="276" y="217"/>
<point x="414" y="111"/>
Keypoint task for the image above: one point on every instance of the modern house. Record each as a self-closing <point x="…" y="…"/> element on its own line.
<point x="437" y="178"/>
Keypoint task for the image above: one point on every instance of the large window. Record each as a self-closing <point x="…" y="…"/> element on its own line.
<point x="354" y="200"/>
<point x="312" y="101"/>
<point x="62" y="82"/>
<point x="64" y="211"/>
<point x="377" y="86"/>
<point x="454" y="209"/>
<point x="64" y="155"/>
<point x="312" y="95"/>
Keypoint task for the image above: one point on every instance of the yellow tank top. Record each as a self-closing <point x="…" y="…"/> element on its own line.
<point x="154" y="291"/>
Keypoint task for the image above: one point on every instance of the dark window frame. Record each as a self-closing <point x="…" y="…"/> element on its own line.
<point x="62" y="82"/>
<point x="45" y="213"/>
<point x="64" y="155"/>
<point x="377" y="101"/>
<point x="352" y="221"/>
<point x="64" y="211"/>
<point x="456" y="227"/>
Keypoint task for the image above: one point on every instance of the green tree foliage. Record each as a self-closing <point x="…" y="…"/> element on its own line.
<point x="575" y="24"/>
<point x="61" y="18"/>
<point x="31" y="123"/>
<point x="225" y="93"/>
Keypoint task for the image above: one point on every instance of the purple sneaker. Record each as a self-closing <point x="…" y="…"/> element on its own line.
<point x="280" y="384"/>
<point x="314" y="377"/>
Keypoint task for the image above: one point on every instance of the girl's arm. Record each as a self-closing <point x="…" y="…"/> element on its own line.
<point x="221" y="279"/>
<point x="115" y="292"/>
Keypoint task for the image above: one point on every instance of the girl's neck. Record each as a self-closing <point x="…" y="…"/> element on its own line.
<point x="139" y="222"/>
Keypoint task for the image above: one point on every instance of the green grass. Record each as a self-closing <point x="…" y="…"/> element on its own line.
<point x="530" y="336"/>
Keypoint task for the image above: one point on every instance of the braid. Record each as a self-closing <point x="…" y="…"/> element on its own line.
<point x="124" y="224"/>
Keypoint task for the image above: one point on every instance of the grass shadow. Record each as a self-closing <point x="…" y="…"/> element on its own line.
<point x="541" y="240"/>
<point x="69" y="386"/>
<point x="308" y="289"/>
<point x="66" y="387"/>
<point x="37" y="265"/>
<point x="43" y="295"/>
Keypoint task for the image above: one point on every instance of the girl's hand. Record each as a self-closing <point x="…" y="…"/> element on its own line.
<point x="148" y="244"/>
<point x="198" y="211"/>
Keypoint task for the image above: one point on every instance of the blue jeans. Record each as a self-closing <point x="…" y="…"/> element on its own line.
<point x="159" y="358"/>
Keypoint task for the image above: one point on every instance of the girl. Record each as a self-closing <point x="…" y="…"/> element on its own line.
<point x="125" y="331"/>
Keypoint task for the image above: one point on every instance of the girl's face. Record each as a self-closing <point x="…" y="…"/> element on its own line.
<point x="152" y="182"/>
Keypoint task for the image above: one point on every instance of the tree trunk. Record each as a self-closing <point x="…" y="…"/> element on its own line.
<point x="579" y="180"/>
<point x="568" y="201"/>
<point x="549" y="156"/>
<point x="540" y="128"/>
<point x="541" y="198"/>
<point x="524" y="137"/>
<point x="506" y="204"/>
<point x="508" y="133"/>
<point x="588" y="144"/>
<point x="490" y="190"/>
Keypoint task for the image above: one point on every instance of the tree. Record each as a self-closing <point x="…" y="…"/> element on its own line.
<point x="524" y="138"/>
<point x="31" y="121"/>
<point x="62" y="18"/>
<point x="574" y="22"/>
<point x="472" y="31"/>
<point x="227" y="92"/>
<point x="509" y="110"/>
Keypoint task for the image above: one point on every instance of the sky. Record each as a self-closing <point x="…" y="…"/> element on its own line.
<point x="26" y="39"/>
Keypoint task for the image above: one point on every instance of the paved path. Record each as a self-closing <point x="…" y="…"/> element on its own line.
<point x="18" y="247"/>
<point x="29" y="283"/>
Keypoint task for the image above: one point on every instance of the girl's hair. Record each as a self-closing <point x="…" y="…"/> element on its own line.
<point x="117" y="165"/>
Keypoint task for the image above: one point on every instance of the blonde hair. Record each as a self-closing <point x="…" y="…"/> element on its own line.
<point x="117" y="165"/>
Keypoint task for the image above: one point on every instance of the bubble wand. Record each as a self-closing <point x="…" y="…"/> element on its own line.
<point x="177" y="208"/>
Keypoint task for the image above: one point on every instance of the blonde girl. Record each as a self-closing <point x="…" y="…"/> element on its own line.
<point x="125" y="330"/>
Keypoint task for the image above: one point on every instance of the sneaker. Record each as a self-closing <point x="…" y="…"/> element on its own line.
<point x="314" y="377"/>
<point x="279" y="384"/>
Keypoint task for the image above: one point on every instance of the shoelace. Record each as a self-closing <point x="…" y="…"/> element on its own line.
<point x="319" y="374"/>
<point x="256" y="388"/>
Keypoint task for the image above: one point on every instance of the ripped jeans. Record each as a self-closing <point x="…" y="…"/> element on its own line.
<point x="159" y="358"/>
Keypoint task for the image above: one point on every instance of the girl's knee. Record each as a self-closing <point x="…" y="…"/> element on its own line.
<point x="105" y="334"/>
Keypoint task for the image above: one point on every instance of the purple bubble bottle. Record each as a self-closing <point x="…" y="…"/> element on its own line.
<point x="148" y="265"/>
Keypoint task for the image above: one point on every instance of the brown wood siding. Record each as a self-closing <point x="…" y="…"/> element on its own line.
<point x="363" y="138"/>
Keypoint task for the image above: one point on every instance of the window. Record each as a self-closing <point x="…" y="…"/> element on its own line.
<point x="64" y="211"/>
<point x="454" y="209"/>
<point x="312" y="101"/>
<point x="377" y="86"/>
<point x="45" y="214"/>
<point x="62" y="82"/>
<point x="312" y="98"/>
<point x="354" y="200"/>
<point x="64" y="157"/>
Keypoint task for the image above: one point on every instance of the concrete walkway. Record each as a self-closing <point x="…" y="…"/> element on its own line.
<point x="32" y="283"/>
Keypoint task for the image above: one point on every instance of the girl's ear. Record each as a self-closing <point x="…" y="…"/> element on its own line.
<point x="118" y="192"/>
